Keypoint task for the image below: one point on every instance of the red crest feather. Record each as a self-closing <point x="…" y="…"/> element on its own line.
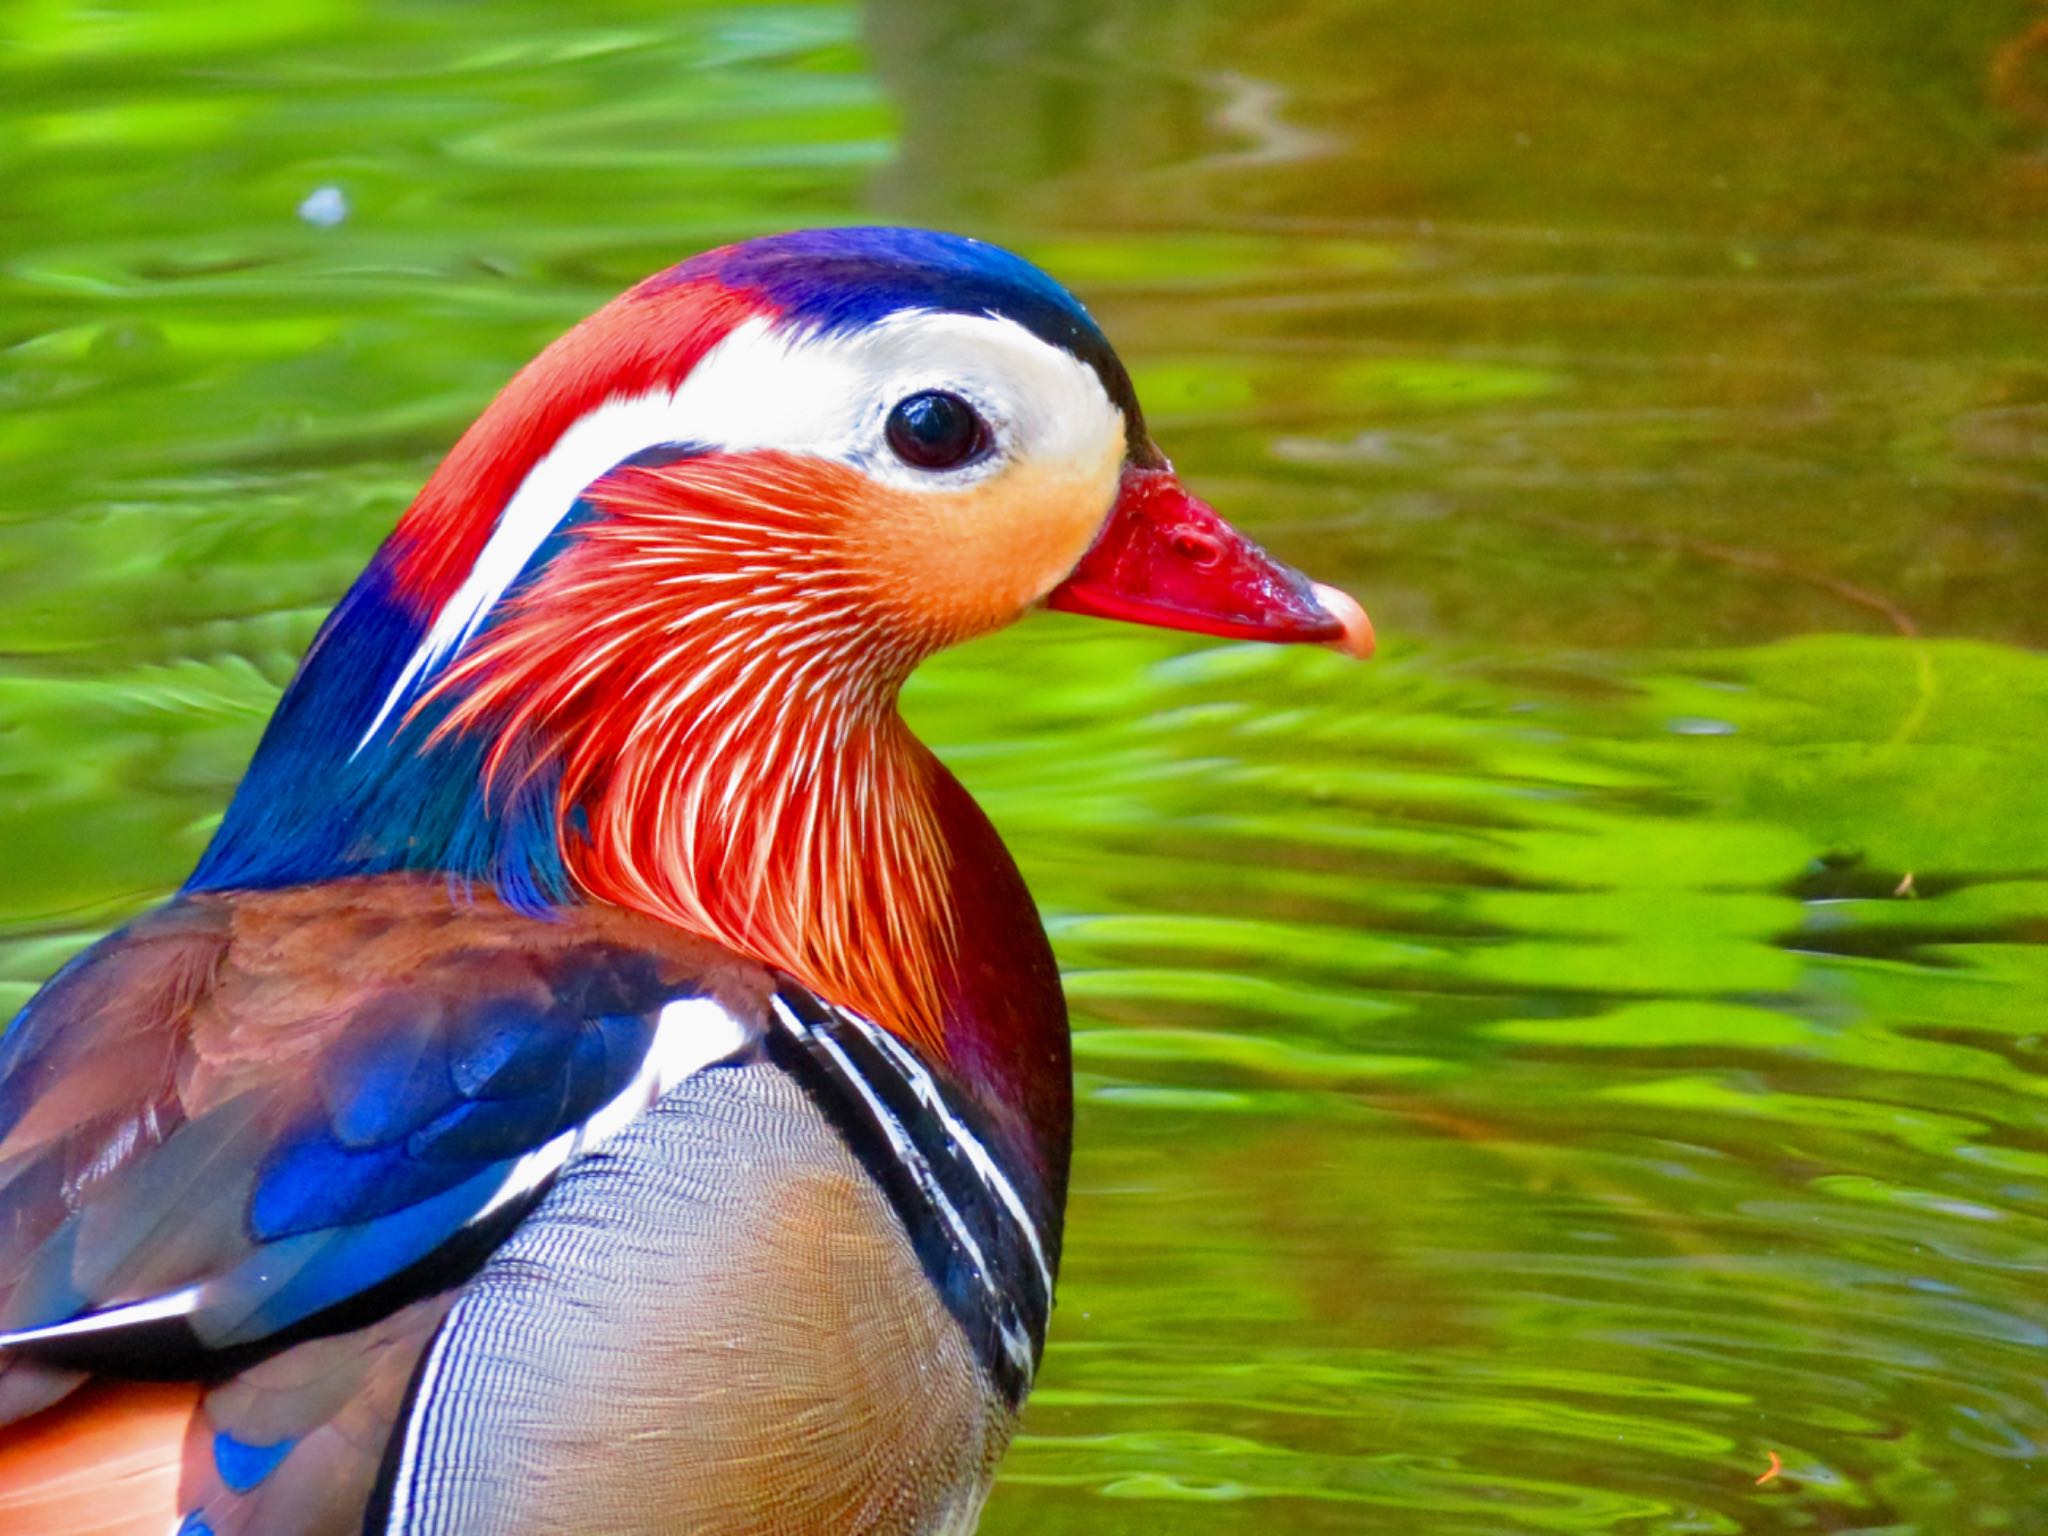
<point x="648" y="338"/>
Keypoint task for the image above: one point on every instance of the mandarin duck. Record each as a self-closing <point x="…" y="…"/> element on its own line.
<point x="605" y="1075"/>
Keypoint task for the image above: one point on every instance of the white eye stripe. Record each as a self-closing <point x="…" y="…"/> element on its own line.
<point x="824" y="396"/>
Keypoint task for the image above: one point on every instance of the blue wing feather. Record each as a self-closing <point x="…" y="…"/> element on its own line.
<point x="322" y="1178"/>
<point x="282" y="1284"/>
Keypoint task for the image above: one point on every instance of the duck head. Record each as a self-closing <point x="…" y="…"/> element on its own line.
<point x="640" y="637"/>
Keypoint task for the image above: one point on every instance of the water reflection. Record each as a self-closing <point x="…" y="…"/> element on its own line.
<point x="1539" y="1114"/>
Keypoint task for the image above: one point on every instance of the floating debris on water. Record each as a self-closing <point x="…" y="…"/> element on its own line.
<point x="324" y="207"/>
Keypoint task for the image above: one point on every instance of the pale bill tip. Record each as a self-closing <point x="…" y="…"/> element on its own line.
<point x="1357" y="639"/>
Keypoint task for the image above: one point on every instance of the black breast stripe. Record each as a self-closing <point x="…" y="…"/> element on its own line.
<point x="917" y="1140"/>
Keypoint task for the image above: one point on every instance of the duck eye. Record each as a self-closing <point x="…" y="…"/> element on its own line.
<point x="936" y="430"/>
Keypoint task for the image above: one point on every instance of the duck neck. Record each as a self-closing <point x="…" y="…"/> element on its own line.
<point x="840" y="851"/>
<point x="745" y="774"/>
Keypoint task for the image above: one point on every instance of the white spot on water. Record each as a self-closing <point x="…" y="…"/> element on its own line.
<point x="324" y="207"/>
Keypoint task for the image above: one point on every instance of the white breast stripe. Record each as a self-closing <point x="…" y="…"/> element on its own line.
<point x="928" y="1094"/>
<point x="1018" y="1347"/>
<point x="1015" y="1344"/>
<point x="822" y="396"/>
<point x="906" y="1151"/>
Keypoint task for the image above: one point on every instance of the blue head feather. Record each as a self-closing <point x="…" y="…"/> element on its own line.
<point x="843" y="279"/>
<point x="316" y="805"/>
<point x="319" y="803"/>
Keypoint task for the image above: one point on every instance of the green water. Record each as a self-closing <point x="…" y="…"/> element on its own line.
<point x="1525" y="1082"/>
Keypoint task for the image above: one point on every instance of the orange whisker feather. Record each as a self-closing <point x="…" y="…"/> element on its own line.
<point x="735" y="764"/>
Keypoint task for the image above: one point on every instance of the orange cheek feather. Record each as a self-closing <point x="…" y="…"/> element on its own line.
<point x="955" y="564"/>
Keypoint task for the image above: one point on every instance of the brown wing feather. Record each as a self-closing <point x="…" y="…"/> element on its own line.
<point x="145" y="1081"/>
<point x="336" y="1400"/>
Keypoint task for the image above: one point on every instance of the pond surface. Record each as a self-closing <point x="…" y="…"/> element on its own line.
<point x="1536" y="1082"/>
